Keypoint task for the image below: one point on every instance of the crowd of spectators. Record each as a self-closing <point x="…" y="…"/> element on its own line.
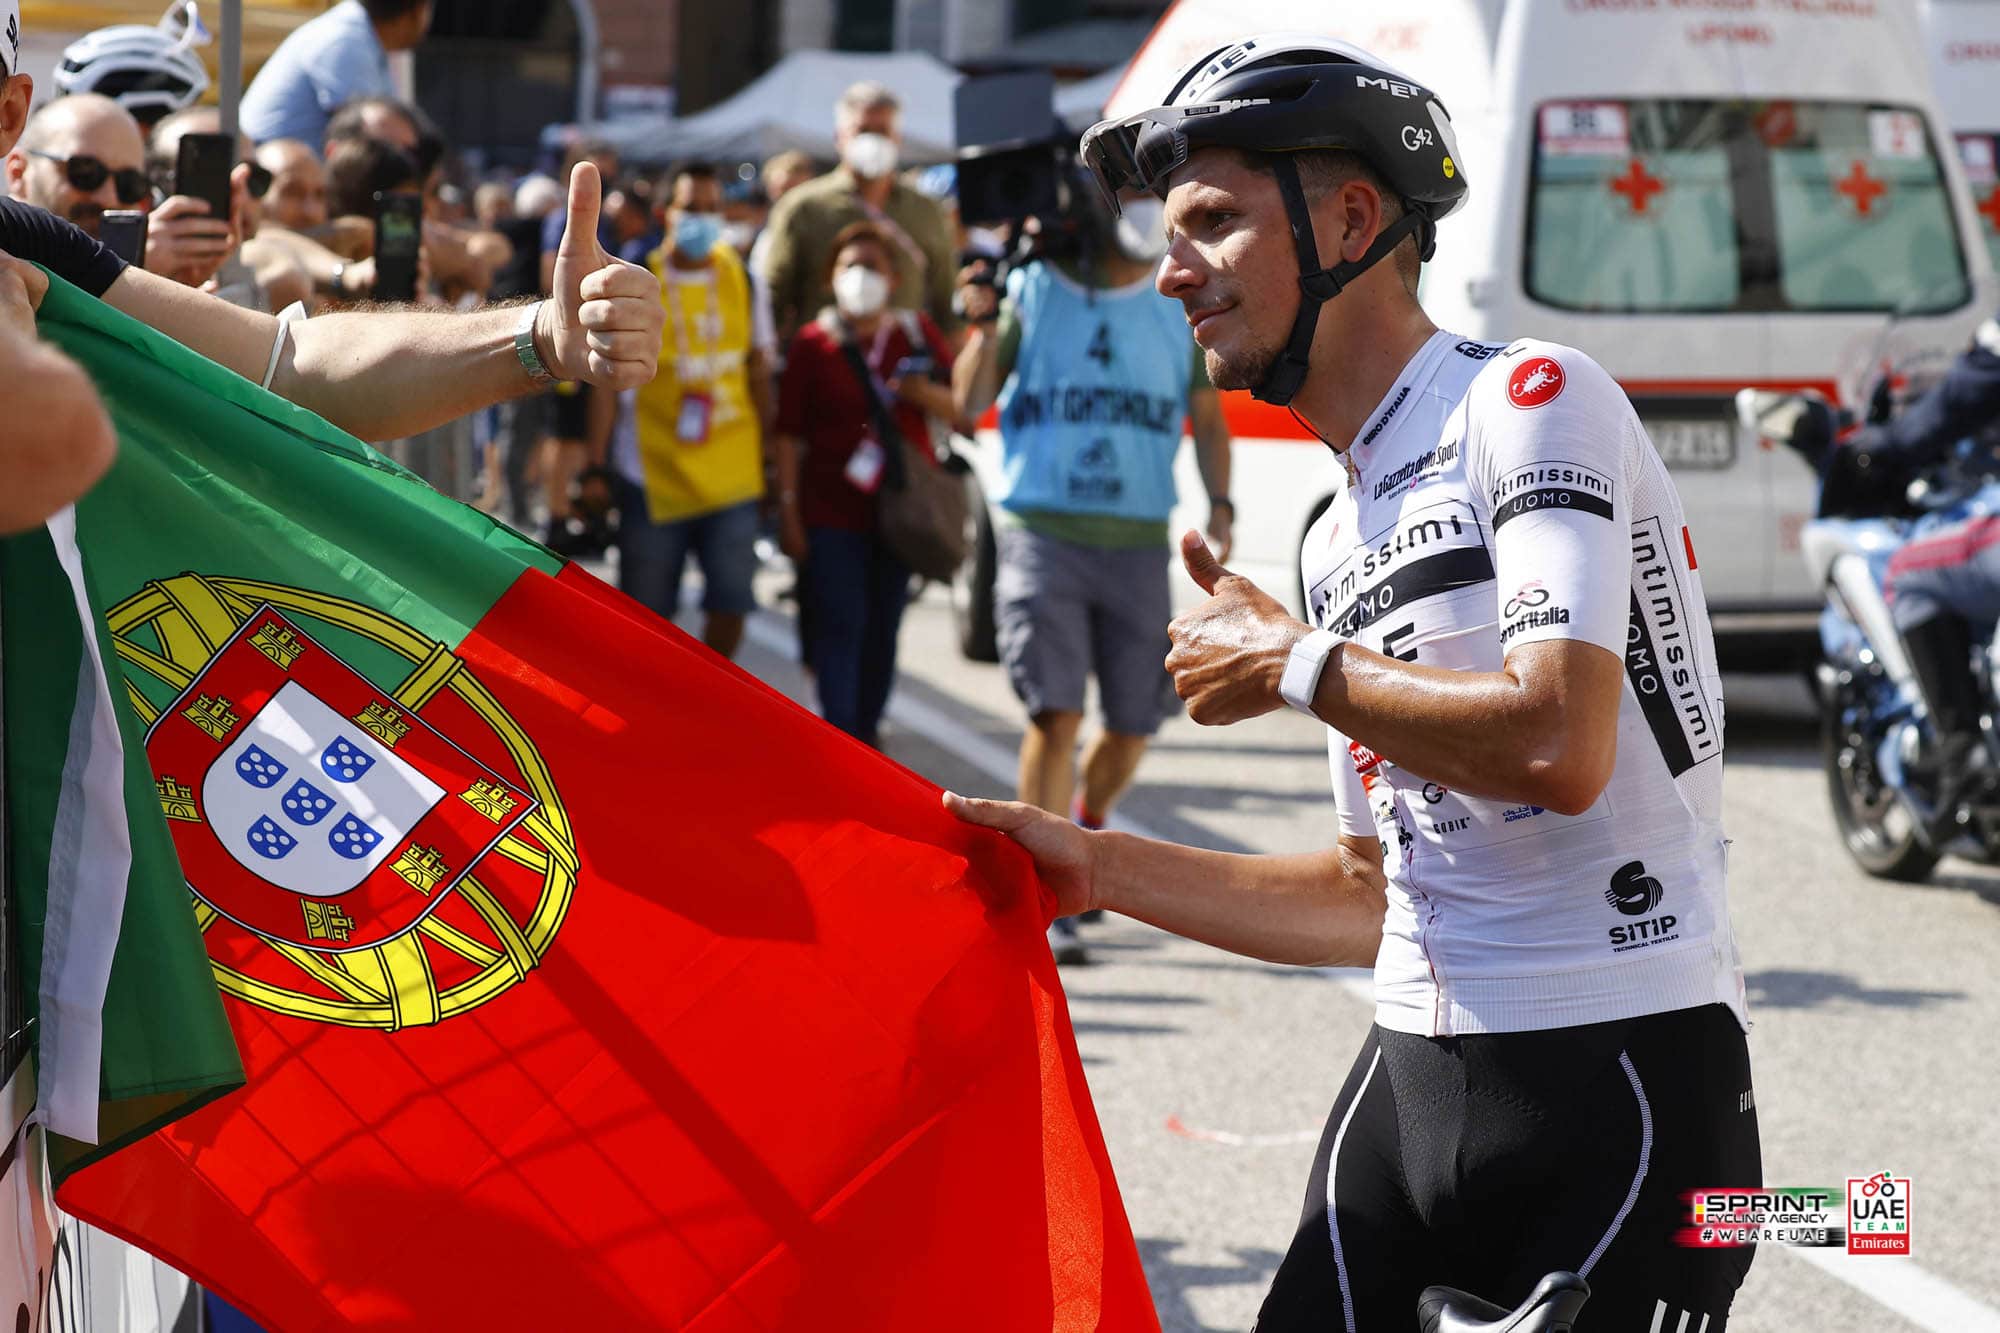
<point x="807" y="320"/>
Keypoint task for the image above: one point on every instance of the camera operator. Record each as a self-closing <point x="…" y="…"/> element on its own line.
<point x="1093" y="371"/>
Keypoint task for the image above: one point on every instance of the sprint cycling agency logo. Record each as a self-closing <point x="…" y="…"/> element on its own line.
<point x="1535" y="382"/>
<point x="1870" y="1216"/>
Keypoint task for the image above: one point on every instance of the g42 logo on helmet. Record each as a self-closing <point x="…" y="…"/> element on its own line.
<point x="1415" y="137"/>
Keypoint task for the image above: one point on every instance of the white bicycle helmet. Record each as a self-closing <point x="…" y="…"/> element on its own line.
<point x="148" y="71"/>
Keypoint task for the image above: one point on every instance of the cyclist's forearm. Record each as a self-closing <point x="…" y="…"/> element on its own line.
<point x="1314" y="909"/>
<point x="1543" y="730"/>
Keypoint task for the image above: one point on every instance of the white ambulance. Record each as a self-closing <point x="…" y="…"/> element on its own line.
<point x="1702" y="194"/>
<point x="1964" y="40"/>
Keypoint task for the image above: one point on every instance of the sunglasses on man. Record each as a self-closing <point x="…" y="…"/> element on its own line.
<point x="87" y="175"/>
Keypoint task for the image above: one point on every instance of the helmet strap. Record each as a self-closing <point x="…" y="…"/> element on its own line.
<point x="1319" y="285"/>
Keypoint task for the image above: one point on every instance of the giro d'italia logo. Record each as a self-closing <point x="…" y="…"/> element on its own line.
<point x="364" y="854"/>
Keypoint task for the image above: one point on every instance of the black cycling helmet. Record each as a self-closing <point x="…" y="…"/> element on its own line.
<point x="1282" y="93"/>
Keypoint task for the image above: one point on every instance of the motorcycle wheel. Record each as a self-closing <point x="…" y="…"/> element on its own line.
<point x="1879" y="832"/>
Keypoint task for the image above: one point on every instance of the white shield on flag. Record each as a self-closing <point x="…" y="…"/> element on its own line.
<point x="306" y="800"/>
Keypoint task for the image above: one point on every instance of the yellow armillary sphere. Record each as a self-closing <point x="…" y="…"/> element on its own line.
<point x="353" y="857"/>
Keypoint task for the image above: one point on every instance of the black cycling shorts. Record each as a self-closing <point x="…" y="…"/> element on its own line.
<point x="1484" y="1162"/>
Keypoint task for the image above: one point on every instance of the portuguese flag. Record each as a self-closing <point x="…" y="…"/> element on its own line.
<point x="579" y="980"/>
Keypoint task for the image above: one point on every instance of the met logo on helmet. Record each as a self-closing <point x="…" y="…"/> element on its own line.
<point x="1395" y="87"/>
<point x="1535" y="382"/>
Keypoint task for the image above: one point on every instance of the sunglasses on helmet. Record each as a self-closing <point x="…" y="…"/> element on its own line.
<point x="1137" y="153"/>
<point x="87" y="174"/>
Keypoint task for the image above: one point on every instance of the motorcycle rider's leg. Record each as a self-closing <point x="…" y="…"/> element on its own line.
<point x="1939" y="589"/>
<point x="1940" y="649"/>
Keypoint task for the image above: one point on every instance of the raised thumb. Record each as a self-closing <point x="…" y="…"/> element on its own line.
<point x="586" y="202"/>
<point x="1202" y="566"/>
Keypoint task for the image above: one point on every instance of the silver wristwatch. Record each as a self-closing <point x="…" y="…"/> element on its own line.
<point x="524" y="347"/>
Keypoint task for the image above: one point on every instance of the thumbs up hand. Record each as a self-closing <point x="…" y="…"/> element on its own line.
<point x="602" y="320"/>
<point x="1229" y="653"/>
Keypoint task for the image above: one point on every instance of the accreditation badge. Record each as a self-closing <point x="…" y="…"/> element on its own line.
<point x="864" y="465"/>
<point x="696" y="414"/>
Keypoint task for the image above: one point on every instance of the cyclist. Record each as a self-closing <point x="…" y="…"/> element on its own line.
<point x="1511" y="657"/>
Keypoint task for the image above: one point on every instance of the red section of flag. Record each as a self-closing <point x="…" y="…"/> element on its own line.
<point x="796" y="1058"/>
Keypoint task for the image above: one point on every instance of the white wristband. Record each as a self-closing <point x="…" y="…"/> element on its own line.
<point x="296" y="310"/>
<point x="1303" y="669"/>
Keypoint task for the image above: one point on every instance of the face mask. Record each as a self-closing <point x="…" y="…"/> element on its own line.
<point x="860" y="291"/>
<point x="739" y="236"/>
<point x="695" y="234"/>
<point x="1140" y="234"/>
<point x="870" y="156"/>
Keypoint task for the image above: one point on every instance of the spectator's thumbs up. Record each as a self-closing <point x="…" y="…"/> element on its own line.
<point x="579" y="243"/>
<point x="602" y="322"/>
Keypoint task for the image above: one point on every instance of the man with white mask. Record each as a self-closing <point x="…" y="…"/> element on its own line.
<point x="1093" y="371"/>
<point x="868" y="132"/>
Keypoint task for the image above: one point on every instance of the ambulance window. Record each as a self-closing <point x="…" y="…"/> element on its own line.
<point x="1682" y="206"/>
<point x="1981" y="155"/>
<point x="1631" y="208"/>
<point x="1863" y="217"/>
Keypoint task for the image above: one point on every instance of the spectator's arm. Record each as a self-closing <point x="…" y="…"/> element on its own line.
<point x="464" y="258"/>
<point x="58" y="440"/>
<point x="784" y="272"/>
<point x="383" y="375"/>
<point x="940" y="275"/>
<point x="763" y="393"/>
<point x="984" y="363"/>
<point x="1212" y="458"/>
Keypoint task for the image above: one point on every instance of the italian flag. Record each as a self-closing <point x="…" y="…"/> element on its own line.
<point x="578" y="980"/>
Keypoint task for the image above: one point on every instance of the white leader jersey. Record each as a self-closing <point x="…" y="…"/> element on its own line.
<point x="1499" y="497"/>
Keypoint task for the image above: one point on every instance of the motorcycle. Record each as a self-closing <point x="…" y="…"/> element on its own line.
<point x="1882" y="762"/>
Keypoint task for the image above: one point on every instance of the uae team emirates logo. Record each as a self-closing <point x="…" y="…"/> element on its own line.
<point x="1535" y="382"/>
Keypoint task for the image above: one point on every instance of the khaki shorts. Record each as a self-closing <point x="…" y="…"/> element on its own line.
<point x="1065" y="612"/>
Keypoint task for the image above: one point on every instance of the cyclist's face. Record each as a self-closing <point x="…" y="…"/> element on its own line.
<point x="1231" y="264"/>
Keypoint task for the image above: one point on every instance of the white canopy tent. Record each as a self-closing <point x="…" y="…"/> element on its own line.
<point x="791" y="106"/>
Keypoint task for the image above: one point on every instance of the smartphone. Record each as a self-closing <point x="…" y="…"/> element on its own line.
<point x="201" y="171"/>
<point x="399" y="232"/>
<point x="123" y="232"/>
<point x="919" y="364"/>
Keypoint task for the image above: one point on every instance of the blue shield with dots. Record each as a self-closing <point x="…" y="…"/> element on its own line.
<point x="306" y="799"/>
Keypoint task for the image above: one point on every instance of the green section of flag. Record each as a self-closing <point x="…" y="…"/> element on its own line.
<point x="166" y="1047"/>
<point x="203" y="457"/>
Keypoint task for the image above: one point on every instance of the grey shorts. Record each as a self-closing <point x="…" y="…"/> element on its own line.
<point x="1066" y="611"/>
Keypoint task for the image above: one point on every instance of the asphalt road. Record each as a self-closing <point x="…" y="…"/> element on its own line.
<point x="1873" y="1006"/>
